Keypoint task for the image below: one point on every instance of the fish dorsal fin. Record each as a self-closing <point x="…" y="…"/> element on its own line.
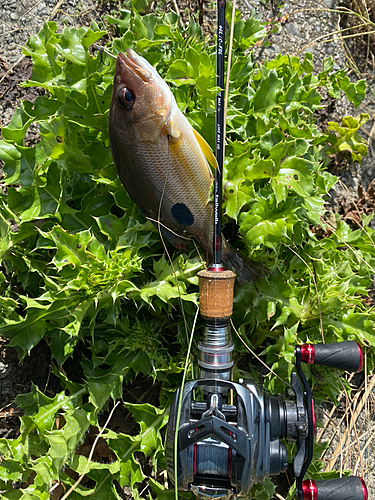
<point x="207" y="151"/>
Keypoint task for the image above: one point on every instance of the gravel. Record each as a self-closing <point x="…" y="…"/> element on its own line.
<point x="18" y="20"/>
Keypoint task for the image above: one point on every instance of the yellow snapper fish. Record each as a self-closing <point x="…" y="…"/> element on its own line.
<point x="162" y="161"/>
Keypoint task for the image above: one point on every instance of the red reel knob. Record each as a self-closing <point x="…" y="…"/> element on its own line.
<point x="343" y="488"/>
<point x="345" y="355"/>
<point x="364" y="489"/>
<point x="309" y="490"/>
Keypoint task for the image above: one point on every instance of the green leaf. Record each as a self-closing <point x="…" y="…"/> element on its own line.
<point x="267" y="94"/>
<point x="10" y="470"/>
<point x="238" y="194"/>
<point x="20" y="122"/>
<point x="99" y="393"/>
<point x="348" y="138"/>
<point x="355" y="92"/>
<point x="26" y="334"/>
<point x="293" y="174"/>
<point x="71" y="248"/>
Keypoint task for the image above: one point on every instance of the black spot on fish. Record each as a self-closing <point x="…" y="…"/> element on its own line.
<point x="182" y="214"/>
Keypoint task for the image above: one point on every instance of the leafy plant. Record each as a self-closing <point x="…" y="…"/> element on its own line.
<point x="83" y="270"/>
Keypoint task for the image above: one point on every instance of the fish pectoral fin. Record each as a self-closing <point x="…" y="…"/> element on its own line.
<point x="173" y="134"/>
<point x="207" y="151"/>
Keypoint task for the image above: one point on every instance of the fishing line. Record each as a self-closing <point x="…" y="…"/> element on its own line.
<point x="89" y="458"/>
<point x="102" y="49"/>
<point x="257" y="357"/>
<point x="171" y="261"/>
<point x="316" y="291"/>
<point x="190" y="341"/>
<point x="175" y="449"/>
<point x="190" y="240"/>
<point x="350" y="247"/>
<point x="158" y="223"/>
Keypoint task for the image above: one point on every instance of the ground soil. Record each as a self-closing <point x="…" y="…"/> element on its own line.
<point x="306" y="25"/>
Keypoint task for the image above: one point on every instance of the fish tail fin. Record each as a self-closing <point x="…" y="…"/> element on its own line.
<point x="245" y="268"/>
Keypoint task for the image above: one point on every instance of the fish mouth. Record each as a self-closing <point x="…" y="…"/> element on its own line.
<point x="135" y="64"/>
<point x="135" y="72"/>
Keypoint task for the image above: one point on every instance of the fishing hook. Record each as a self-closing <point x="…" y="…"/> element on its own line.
<point x="101" y="51"/>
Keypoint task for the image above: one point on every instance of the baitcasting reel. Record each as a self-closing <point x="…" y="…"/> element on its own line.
<point x="224" y="446"/>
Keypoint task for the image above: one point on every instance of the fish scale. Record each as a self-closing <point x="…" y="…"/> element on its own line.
<point x="162" y="161"/>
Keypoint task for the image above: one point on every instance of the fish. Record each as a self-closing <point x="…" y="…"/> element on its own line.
<point x="164" y="163"/>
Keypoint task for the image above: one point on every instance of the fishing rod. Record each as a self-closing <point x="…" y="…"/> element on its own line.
<point x="220" y="133"/>
<point x="231" y="435"/>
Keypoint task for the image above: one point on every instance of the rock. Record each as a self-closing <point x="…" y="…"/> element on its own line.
<point x="330" y="4"/>
<point x="293" y="29"/>
<point x="3" y="369"/>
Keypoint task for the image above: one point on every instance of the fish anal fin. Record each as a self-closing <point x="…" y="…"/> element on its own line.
<point x="207" y="151"/>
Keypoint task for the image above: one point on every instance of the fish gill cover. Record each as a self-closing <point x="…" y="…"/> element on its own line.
<point x="83" y="270"/>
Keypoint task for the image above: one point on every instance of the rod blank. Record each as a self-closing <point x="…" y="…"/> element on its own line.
<point x="218" y="187"/>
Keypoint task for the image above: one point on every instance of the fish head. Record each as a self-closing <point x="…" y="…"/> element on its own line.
<point x="141" y="100"/>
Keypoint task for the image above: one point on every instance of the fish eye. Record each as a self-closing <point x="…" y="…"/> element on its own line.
<point x="126" y="98"/>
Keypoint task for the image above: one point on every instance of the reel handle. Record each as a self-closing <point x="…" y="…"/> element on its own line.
<point x="346" y="355"/>
<point x="344" y="488"/>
